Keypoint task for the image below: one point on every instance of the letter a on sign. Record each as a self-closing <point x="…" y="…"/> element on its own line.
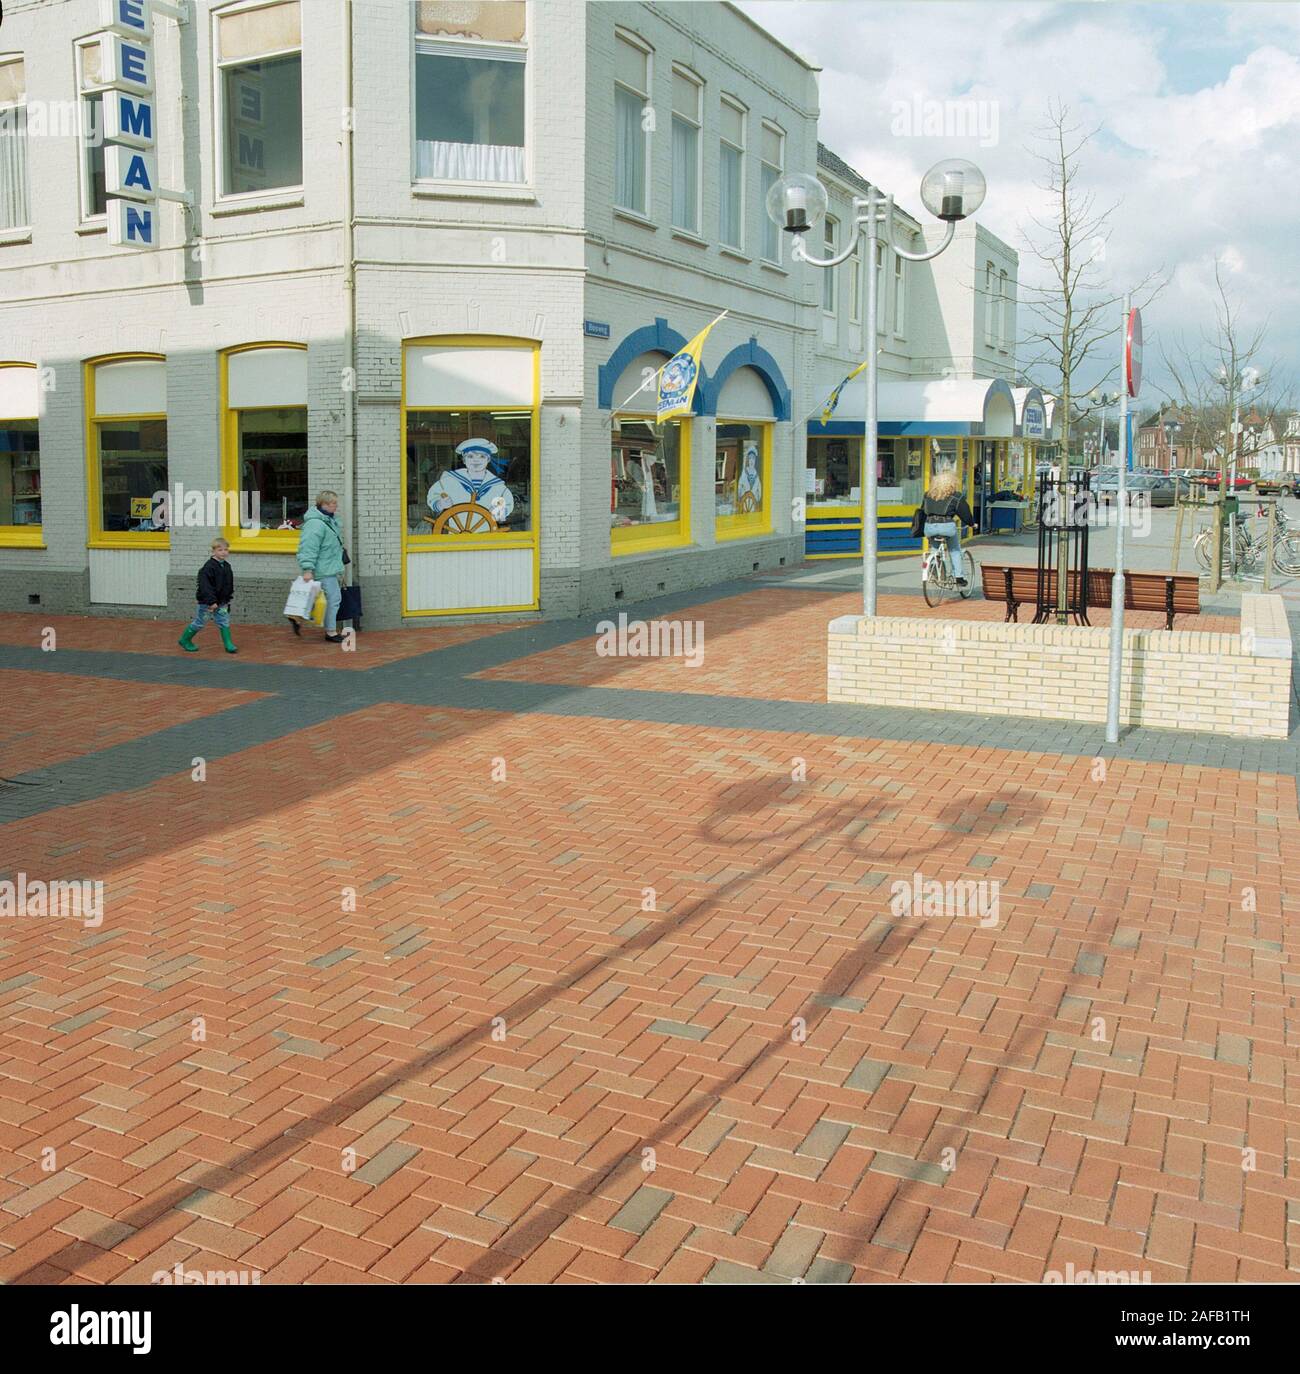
<point x="130" y="172"/>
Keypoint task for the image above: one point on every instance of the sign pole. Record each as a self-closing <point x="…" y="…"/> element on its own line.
<point x="1131" y="371"/>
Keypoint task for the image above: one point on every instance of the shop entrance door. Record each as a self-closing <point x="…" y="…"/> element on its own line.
<point x="984" y="485"/>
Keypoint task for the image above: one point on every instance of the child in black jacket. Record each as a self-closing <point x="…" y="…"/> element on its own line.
<point x="215" y="590"/>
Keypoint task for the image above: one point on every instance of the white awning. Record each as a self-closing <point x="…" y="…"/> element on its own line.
<point x="982" y="406"/>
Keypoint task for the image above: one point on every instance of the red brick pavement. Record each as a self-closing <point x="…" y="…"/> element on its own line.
<point x="639" y="1010"/>
<point x="257" y="643"/>
<point x="51" y="718"/>
<point x="768" y="643"/>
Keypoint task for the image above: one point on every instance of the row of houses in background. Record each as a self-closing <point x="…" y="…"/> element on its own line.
<point x="1174" y="437"/>
<point x="430" y="258"/>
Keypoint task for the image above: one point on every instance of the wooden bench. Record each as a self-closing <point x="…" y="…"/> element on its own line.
<point x="1172" y="593"/>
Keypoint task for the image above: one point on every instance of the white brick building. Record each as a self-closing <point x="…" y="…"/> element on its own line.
<point x="441" y="223"/>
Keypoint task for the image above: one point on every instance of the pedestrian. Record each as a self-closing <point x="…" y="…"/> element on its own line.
<point x="216" y="589"/>
<point x="944" y="505"/>
<point x="321" y="556"/>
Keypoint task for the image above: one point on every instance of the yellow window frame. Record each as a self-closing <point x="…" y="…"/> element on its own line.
<point x="530" y="538"/>
<point x="633" y="539"/>
<point x="266" y="540"/>
<point x="96" y="536"/>
<point x="745" y="526"/>
<point x="23" y="536"/>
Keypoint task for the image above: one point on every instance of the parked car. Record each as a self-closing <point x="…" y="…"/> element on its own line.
<point x="1211" y="479"/>
<point x="1278" y="484"/>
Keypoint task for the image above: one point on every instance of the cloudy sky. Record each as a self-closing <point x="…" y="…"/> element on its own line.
<point x="1198" y="107"/>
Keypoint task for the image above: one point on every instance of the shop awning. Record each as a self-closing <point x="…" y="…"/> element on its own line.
<point x="941" y="407"/>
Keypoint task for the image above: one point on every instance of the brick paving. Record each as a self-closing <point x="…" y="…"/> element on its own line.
<point x="257" y="643"/>
<point x="49" y="719"/>
<point x="427" y="993"/>
<point x="769" y="643"/>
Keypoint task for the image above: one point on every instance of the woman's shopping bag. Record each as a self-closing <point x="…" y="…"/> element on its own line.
<point x="302" y="597"/>
<point x="350" y="606"/>
<point x="318" y="610"/>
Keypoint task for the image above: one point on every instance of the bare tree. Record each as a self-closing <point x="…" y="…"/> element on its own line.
<point x="1211" y="381"/>
<point x="1073" y="311"/>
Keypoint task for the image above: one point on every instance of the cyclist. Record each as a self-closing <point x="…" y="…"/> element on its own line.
<point x="944" y="505"/>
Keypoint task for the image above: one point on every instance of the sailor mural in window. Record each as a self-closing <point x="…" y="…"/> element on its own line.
<point x="462" y="497"/>
<point x="750" y="484"/>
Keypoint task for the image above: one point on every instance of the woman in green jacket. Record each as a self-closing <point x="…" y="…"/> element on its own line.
<point x="320" y="556"/>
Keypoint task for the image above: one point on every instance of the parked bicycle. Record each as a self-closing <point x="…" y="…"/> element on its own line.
<point x="1249" y="547"/>
<point x="937" y="580"/>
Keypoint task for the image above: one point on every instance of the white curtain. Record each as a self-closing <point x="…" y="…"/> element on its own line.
<point x="629" y="151"/>
<point x="468" y="161"/>
<point x="686" y="139"/>
<point x="14" y="212"/>
<point x="729" y="180"/>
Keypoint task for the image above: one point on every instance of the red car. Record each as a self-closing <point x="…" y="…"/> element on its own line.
<point x="1212" y="479"/>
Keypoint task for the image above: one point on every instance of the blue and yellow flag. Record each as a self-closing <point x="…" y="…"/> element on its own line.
<point x="678" y="376"/>
<point x="834" y="398"/>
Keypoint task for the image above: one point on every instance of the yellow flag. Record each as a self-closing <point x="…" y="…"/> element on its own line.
<point x="834" y="398"/>
<point x="678" y="377"/>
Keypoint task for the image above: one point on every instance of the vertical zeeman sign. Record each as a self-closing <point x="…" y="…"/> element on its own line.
<point x="131" y="121"/>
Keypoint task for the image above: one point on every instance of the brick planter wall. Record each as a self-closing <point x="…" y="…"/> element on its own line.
<point x="1226" y="684"/>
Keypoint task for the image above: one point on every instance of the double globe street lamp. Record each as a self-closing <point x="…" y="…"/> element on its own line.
<point x="951" y="190"/>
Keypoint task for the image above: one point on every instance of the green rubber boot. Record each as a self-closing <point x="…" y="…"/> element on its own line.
<point x="226" y="639"/>
<point x="186" y="641"/>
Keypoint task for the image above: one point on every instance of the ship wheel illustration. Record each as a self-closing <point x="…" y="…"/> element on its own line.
<point x="748" y="503"/>
<point x="467" y="517"/>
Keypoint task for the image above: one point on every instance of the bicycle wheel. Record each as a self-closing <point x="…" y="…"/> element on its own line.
<point x="932" y="584"/>
<point x="1286" y="554"/>
<point x="1202" y="545"/>
<point x="972" y="576"/>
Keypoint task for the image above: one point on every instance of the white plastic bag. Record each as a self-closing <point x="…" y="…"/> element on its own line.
<point x="302" y="597"/>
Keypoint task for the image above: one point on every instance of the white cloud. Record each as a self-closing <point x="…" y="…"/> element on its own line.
<point x="1198" y="112"/>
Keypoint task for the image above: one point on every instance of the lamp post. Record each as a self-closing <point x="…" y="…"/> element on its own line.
<point x="951" y="190"/>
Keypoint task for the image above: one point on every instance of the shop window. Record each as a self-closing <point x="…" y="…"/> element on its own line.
<point x="128" y="451"/>
<point x="742" y="478"/>
<point x="833" y="475"/>
<point x="771" y="165"/>
<point x="649" y="472"/>
<point x="94" y="200"/>
<point x="259" y="57"/>
<point x="264" y="468"/>
<point x="471" y="443"/>
<point x="899" y="469"/>
<point x="631" y="134"/>
<point x="731" y="175"/>
<point x="471" y="68"/>
<point x="687" y="93"/>
<point x="15" y="191"/>
<point x="20" y="455"/>
<point x="945" y="455"/>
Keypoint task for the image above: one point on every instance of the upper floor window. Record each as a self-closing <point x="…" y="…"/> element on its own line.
<point x="259" y="84"/>
<point x="990" y="304"/>
<point x="900" y="295"/>
<point x="687" y="93"/>
<point x="1004" y="302"/>
<point x="880" y="287"/>
<point x="90" y="83"/>
<point x="631" y="124"/>
<point x="731" y="174"/>
<point x="855" y="281"/>
<point x="771" y="164"/>
<point x="471" y="69"/>
<point x="15" y="194"/>
<point x="830" y="229"/>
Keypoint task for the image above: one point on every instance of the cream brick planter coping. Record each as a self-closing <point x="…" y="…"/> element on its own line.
<point x="1224" y="684"/>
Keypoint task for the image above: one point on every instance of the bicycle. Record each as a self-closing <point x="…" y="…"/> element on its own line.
<point x="1250" y="547"/>
<point x="937" y="578"/>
